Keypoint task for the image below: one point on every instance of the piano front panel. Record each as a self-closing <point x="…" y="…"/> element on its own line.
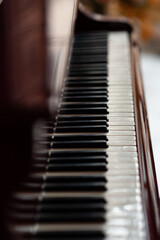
<point x="84" y="182"/>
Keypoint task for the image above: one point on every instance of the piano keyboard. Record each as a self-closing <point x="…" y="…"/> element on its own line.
<point x="85" y="183"/>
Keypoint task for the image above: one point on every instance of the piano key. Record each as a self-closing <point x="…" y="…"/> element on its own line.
<point x="88" y="41"/>
<point x="82" y="122"/>
<point x="82" y="105"/>
<point x="70" y="233"/>
<point x="89" y="176"/>
<point x="86" y="78"/>
<point x="81" y="117"/>
<point x="85" y="46"/>
<point x="75" y="186"/>
<point x="93" y="59"/>
<point x="81" y="129"/>
<point x="121" y="119"/>
<point x="124" y="138"/>
<point x="84" y="92"/>
<point x="121" y="149"/>
<point x="88" y="73"/>
<point x="121" y="133"/>
<point x="121" y="114"/>
<point x="77" y="217"/>
<point x="82" y="89"/>
<point x="112" y="128"/>
<point x="82" y="153"/>
<point x="80" y="144"/>
<point x="37" y="179"/>
<point x="88" y="51"/>
<point x="79" y="137"/>
<point x="90" y="44"/>
<point x="121" y="143"/>
<point x="79" y="84"/>
<point x="120" y="155"/>
<point x="91" y="159"/>
<point x="92" y="98"/>
<point x="119" y="89"/>
<point x="122" y="166"/>
<point x="120" y="123"/>
<point x="110" y="195"/>
<point x="69" y="206"/>
<point x="64" y="186"/>
<point x="83" y="178"/>
<point x="77" y="167"/>
<point x="122" y="102"/>
<point x="61" y="206"/>
<point x="71" y="200"/>
<point x="120" y="107"/>
<point x="93" y="110"/>
<point x="96" y="66"/>
<point x="68" y="238"/>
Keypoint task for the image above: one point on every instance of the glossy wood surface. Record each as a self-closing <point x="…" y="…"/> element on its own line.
<point x="147" y="167"/>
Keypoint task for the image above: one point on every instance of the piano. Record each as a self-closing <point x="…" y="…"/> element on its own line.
<point x="90" y="170"/>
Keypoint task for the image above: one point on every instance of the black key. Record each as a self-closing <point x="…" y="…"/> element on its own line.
<point x="96" y="137"/>
<point x="87" y="78"/>
<point x="57" y="207"/>
<point x="93" y="59"/>
<point x="77" y="167"/>
<point x="79" y="144"/>
<point x="77" y="153"/>
<point x="70" y="207"/>
<point x="69" y="238"/>
<point x="75" y="179"/>
<point x="85" y="89"/>
<point x="85" y="117"/>
<point x="70" y="235"/>
<point x="92" y="159"/>
<point x="71" y="217"/>
<point x="86" y="84"/>
<point x="75" y="186"/>
<point x="89" y="51"/>
<point x="87" y="73"/>
<point x="84" y="105"/>
<point x="84" y="79"/>
<point x="89" y="40"/>
<point x="82" y="122"/>
<point x="91" y="66"/>
<point x="92" y="98"/>
<point x="73" y="200"/>
<point x="84" y="94"/>
<point x="82" y="129"/>
<point x="89" y="43"/>
<point x="93" y="110"/>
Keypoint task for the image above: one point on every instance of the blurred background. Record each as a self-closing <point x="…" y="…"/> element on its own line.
<point x="145" y="15"/>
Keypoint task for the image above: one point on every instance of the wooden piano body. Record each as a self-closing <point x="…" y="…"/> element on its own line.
<point x="92" y="173"/>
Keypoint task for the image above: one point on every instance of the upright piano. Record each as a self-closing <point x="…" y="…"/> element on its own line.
<point x="91" y="175"/>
